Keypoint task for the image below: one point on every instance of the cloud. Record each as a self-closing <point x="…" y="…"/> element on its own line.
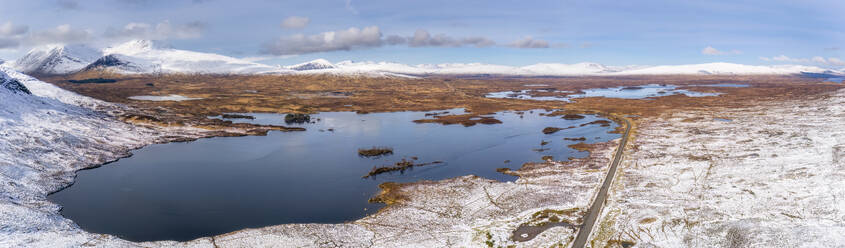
<point x="295" y="22"/>
<point x="64" y="34"/>
<point x="529" y="42"/>
<point x="422" y="38"/>
<point x="816" y="59"/>
<point x="9" y="29"/>
<point x="395" y="40"/>
<point x="161" y="31"/>
<point x="369" y="37"/>
<point x="342" y="40"/>
<point x="67" y="4"/>
<point x="709" y="50"/>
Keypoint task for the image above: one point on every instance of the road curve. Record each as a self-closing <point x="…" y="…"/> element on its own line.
<point x="601" y="197"/>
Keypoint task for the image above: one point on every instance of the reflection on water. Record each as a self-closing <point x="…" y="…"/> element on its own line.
<point x="627" y="92"/>
<point x="639" y="92"/>
<point x="183" y="191"/>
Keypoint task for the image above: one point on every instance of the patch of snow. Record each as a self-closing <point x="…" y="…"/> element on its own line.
<point x="163" y="98"/>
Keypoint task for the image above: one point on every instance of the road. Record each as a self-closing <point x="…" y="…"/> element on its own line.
<point x="601" y="197"/>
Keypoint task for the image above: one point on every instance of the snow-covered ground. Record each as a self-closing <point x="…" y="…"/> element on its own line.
<point x="772" y="176"/>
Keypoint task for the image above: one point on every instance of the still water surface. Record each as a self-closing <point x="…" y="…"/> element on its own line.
<point x="183" y="191"/>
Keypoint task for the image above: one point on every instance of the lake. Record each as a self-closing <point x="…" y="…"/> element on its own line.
<point x="183" y="191"/>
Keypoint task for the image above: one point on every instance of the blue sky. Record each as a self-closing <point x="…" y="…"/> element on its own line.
<point x="499" y="32"/>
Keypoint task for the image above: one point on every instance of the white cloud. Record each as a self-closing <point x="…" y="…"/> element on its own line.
<point x="63" y="34"/>
<point x="709" y="50"/>
<point x="295" y="22"/>
<point x="328" y="41"/>
<point x="422" y="38"/>
<point x="9" y="29"/>
<point x="816" y="59"/>
<point x="161" y="31"/>
<point x="529" y="42"/>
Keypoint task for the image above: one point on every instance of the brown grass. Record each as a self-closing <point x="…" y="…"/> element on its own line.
<point x="375" y="151"/>
<point x="317" y="93"/>
<point x="400" y="166"/>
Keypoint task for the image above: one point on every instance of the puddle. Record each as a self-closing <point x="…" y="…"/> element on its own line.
<point x="183" y="191"/>
<point x="163" y="98"/>
<point x="723" y="119"/>
<point x="527" y="95"/>
<point x="724" y="85"/>
<point x="837" y="80"/>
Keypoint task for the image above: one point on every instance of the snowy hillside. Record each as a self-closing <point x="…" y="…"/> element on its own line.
<point x="317" y="64"/>
<point x="145" y="56"/>
<point x="56" y="59"/>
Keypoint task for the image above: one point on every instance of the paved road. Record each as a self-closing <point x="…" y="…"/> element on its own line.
<point x="598" y="203"/>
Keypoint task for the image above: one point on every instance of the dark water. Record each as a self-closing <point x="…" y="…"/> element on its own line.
<point x="183" y="191"/>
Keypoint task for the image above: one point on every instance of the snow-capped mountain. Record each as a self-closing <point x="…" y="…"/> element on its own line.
<point x="122" y="63"/>
<point x="722" y="69"/>
<point x="56" y="59"/>
<point x="553" y="69"/>
<point x="145" y="56"/>
<point x="317" y="64"/>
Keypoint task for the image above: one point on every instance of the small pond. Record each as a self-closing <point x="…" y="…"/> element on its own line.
<point x="183" y="191"/>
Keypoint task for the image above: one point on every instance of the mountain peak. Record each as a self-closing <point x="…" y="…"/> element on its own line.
<point x="317" y="64"/>
<point x="56" y="59"/>
<point x="136" y="46"/>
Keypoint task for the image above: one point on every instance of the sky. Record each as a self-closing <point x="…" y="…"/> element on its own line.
<point x="652" y="32"/>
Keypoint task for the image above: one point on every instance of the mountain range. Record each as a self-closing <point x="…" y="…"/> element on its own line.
<point x="145" y="57"/>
